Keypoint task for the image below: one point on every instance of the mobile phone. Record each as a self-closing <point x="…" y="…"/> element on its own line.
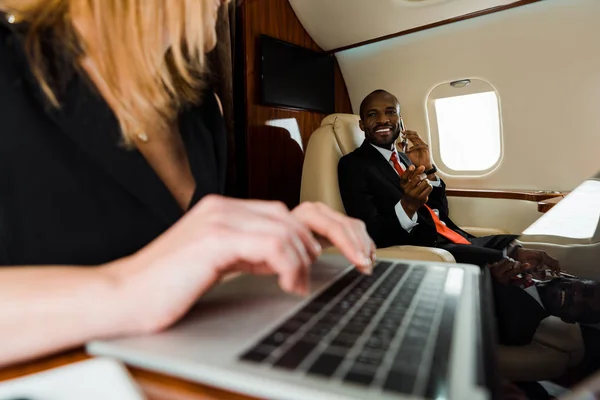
<point x="404" y="142"/>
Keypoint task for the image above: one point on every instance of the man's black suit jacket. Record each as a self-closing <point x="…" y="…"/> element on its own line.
<point x="370" y="190"/>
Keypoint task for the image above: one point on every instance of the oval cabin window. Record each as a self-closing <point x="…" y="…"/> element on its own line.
<point x="465" y="127"/>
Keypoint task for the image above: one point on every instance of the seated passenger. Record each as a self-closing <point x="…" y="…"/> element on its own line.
<point x="112" y="160"/>
<point x="403" y="202"/>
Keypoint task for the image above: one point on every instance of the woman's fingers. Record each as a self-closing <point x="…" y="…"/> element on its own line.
<point x="373" y="251"/>
<point x="269" y="228"/>
<point x="349" y="239"/>
<point x="357" y="230"/>
<point x="265" y="236"/>
<point x="279" y="212"/>
<point x="347" y="234"/>
<point x="253" y="223"/>
<point x="272" y="253"/>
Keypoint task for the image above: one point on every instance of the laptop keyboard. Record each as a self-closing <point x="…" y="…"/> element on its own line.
<point x="378" y="331"/>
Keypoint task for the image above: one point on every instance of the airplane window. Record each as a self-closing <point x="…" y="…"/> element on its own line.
<point x="465" y="127"/>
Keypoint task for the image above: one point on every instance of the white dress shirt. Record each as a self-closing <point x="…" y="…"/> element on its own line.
<point x="407" y="223"/>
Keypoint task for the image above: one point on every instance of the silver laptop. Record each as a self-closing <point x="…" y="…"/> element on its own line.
<point x="412" y="330"/>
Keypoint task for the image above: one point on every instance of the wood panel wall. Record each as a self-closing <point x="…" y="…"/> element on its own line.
<point x="274" y="160"/>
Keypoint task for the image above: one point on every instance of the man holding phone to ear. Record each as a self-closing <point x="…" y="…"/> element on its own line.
<point x="403" y="202"/>
<point x="397" y="193"/>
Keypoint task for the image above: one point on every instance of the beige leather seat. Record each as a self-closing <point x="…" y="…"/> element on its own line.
<point x="556" y="346"/>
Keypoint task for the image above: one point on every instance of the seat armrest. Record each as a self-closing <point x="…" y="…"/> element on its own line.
<point x="479" y="231"/>
<point x="416" y="253"/>
<point x="408" y="253"/>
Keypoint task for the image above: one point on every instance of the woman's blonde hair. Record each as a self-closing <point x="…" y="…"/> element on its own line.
<point x="125" y="39"/>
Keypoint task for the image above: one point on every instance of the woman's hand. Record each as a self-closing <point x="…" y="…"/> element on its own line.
<point x="151" y="289"/>
<point x="221" y="235"/>
<point x="349" y="235"/>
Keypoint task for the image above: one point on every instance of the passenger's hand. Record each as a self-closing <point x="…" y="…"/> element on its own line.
<point x="418" y="153"/>
<point x="349" y="235"/>
<point x="416" y="189"/>
<point x="221" y="236"/>
<point x="505" y="270"/>
<point x="539" y="262"/>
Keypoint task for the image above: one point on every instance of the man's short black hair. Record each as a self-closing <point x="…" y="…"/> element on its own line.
<point x="373" y="93"/>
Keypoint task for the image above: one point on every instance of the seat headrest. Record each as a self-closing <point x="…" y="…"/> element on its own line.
<point x="347" y="132"/>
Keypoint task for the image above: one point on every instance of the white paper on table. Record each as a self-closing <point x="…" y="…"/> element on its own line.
<point x="576" y="216"/>
<point x="95" y="379"/>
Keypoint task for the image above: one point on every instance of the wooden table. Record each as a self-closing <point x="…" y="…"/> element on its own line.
<point x="546" y="205"/>
<point x="545" y="199"/>
<point x="154" y="386"/>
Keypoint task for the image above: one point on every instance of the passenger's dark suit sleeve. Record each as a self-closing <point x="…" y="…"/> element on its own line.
<point x="382" y="224"/>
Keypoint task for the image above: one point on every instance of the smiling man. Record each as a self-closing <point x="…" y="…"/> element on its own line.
<point x="398" y="194"/>
<point x="403" y="202"/>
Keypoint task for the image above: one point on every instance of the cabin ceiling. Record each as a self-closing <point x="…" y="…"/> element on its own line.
<point x="337" y="23"/>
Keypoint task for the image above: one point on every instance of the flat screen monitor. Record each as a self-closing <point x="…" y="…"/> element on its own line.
<point x="296" y="77"/>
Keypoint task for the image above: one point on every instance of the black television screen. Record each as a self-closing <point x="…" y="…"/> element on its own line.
<point x="295" y="77"/>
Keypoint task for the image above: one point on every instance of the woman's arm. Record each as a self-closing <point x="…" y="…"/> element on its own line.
<point x="52" y="308"/>
<point x="47" y="309"/>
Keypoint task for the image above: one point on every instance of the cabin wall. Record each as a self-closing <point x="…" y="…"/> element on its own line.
<point x="275" y="153"/>
<point x="544" y="61"/>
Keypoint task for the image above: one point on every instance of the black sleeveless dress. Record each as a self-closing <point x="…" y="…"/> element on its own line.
<point x="70" y="193"/>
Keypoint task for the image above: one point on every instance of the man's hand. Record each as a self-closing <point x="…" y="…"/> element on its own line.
<point x="419" y="152"/>
<point x="505" y="270"/>
<point x="415" y="188"/>
<point x="539" y="262"/>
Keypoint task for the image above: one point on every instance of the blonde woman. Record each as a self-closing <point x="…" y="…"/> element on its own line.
<point x="112" y="156"/>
